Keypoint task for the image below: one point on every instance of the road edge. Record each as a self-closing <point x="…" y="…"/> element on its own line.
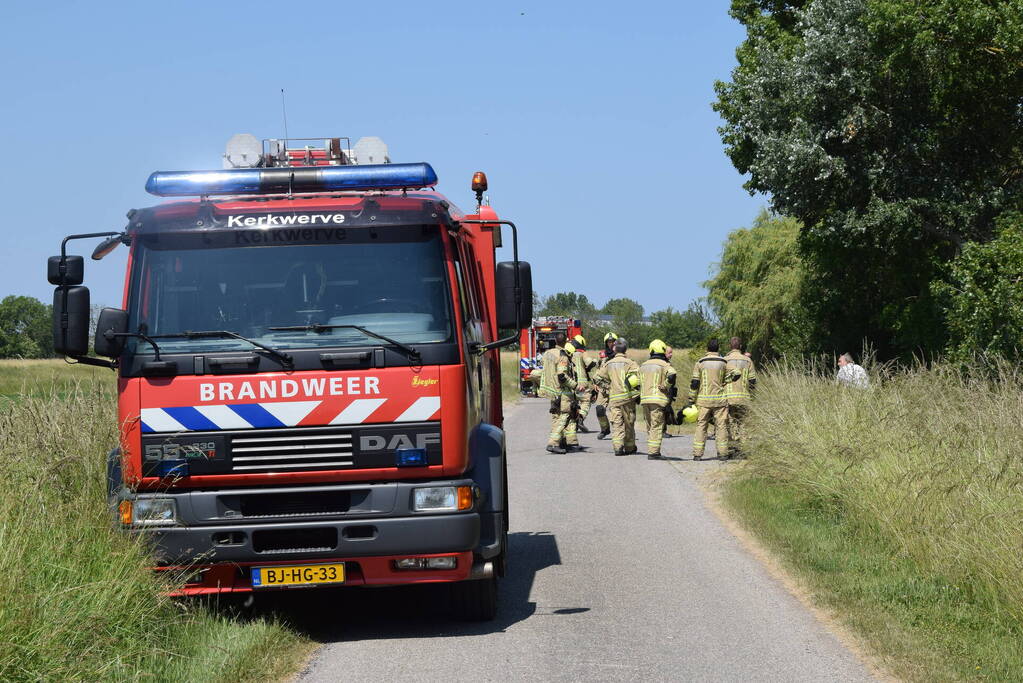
<point x="710" y="484"/>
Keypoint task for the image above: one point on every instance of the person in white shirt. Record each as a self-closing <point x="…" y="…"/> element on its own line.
<point x="850" y="374"/>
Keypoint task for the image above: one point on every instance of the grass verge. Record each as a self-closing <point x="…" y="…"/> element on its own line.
<point x="79" y="602"/>
<point x="900" y="510"/>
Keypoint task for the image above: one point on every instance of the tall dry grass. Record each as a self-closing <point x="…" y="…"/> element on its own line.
<point x="930" y="459"/>
<point x="77" y="601"/>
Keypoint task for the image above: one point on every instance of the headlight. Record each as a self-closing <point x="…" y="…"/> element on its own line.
<point x="442" y="499"/>
<point x="153" y="512"/>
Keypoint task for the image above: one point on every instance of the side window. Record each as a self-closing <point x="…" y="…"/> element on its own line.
<point x="467" y="274"/>
<point x="463" y="290"/>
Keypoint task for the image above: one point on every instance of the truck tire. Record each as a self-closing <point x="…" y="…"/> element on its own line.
<point x="475" y="600"/>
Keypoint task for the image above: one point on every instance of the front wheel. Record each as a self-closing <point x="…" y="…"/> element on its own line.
<point x="475" y="600"/>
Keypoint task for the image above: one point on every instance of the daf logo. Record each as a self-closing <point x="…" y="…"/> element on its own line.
<point x="380" y="443"/>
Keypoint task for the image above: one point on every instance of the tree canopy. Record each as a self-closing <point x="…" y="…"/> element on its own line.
<point x="891" y="130"/>
<point x="25" y="328"/>
<point x="758" y="288"/>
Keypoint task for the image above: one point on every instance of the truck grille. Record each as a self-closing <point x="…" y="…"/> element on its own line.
<point x="283" y="450"/>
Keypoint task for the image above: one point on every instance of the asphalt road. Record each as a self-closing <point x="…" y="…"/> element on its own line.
<point x="618" y="571"/>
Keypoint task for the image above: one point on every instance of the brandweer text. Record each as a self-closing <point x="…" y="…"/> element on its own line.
<point x="289" y="388"/>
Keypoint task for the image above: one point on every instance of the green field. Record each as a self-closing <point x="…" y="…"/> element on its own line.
<point x="79" y="602"/>
<point x="900" y="508"/>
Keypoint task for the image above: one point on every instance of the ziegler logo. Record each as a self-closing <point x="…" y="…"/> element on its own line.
<point x="418" y="381"/>
<point x="176" y="451"/>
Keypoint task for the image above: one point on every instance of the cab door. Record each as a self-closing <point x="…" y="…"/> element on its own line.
<point x="472" y="334"/>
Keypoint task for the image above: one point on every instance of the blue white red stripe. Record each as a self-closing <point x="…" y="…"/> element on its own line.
<point x="277" y="414"/>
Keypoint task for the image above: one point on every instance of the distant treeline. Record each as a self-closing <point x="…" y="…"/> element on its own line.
<point x="626" y="318"/>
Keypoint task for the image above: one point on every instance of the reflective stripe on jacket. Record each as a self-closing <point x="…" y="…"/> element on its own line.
<point x="582" y="375"/>
<point x="556" y="379"/>
<point x="707" y="386"/>
<point x="654" y="383"/>
<point x="740" y="372"/>
<point x="616" y="373"/>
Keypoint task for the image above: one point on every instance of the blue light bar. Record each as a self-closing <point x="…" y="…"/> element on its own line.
<point x="290" y="180"/>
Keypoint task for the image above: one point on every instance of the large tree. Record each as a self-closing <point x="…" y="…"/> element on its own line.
<point x="686" y="329"/>
<point x="759" y="285"/>
<point x="892" y="129"/>
<point x="627" y="320"/>
<point x="25" y="328"/>
<point x="568" y="304"/>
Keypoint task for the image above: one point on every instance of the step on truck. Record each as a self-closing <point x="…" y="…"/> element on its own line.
<point x="308" y="380"/>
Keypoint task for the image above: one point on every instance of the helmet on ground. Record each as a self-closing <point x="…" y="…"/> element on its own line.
<point x="580" y="341"/>
<point x="689" y="414"/>
<point x="570" y="347"/>
<point x="658" y="346"/>
<point x="610" y="336"/>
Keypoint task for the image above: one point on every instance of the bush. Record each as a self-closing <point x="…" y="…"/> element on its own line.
<point x="983" y="297"/>
<point x="926" y="458"/>
<point x="79" y="602"/>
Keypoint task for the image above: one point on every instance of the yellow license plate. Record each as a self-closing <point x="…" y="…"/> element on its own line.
<point x="298" y="575"/>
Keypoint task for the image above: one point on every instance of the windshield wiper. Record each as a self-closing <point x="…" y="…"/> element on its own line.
<point x="284" y="358"/>
<point x="410" y="351"/>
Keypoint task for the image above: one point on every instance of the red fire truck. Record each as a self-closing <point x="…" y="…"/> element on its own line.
<point x="308" y="375"/>
<point x="536" y="339"/>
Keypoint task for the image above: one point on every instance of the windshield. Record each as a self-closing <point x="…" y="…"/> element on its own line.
<point x="391" y="281"/>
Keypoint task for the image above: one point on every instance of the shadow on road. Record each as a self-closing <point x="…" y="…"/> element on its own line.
<point x="414" y="611"/>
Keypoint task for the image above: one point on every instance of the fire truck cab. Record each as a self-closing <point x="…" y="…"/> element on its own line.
<point x="308" y="376"/>
<point x="536" y="339"/>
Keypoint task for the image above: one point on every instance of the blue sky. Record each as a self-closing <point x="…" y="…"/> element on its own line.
<point x="592" y="120"/>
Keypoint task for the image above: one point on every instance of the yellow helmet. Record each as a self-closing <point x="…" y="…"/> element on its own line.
<point x="570" y="347"/>
<point x="689" y="414"/>
<point x="610" y="336"/>
<point x="658" y="346"/>
<point x="580" y="340"/>
<point x="633" y="381"/>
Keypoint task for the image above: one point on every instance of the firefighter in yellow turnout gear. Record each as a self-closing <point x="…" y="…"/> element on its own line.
<point x="621" y="377"/>
<point x="657" y="379"/>
<point x="742" y="380"/>
<point x="583" y="367"/>
<point x="602" y="400"/>
<point x="557" y="383"/>
<point x="707" y="389"/>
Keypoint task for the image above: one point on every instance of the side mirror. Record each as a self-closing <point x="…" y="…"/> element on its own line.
<point x="514" y="304"/>
<point x="66" y="270"/>
<point x="112" y="322"/>
<point x="71" y="321"/>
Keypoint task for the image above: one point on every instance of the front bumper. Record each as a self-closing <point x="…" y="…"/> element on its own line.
<point x="361" y="523"/>
<point x="210" y="579"/>
<point x="265" y="543"/>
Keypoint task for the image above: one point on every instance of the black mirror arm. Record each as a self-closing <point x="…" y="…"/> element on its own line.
<point x="138" y="335"/>
<point x="519" y="324"/>
<point x="63" y="271"/>
<point x="89" y="360"/>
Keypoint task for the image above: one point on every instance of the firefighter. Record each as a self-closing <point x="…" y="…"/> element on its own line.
<point x="669" y="410"/>
<point x="583" y="366"/>
<point x="621" y="375"/>
<point x="657" y="379"/>
<point x="707" y="391"/>
<point x="571" y="438"/>
<point x="558" y="385"/>
<point x="742" y="381"/>
<point x="605" y="355"/>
